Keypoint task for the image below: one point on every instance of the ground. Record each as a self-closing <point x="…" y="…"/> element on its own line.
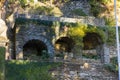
<point x="86" y="69"/>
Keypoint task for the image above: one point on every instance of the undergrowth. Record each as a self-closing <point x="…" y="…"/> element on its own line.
<point x="26" y="70"/>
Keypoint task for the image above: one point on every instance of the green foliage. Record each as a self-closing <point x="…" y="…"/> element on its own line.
<point x="110" y="67"/>
<point x="114" y="60"/>
<point x="110" y="21"/>
<point x="31" y="1"/>
<point x="11" y="1"/>
<point x="60" y="55"/>
<point x="60" y="1"/>
<point x="43" y="0"/>
<point x="105" y="1"/>
<point x="78" y="31"/>
<point x="26" y="70"/>
<point x="100" y="1"/>
<point x="78" y="12"/>
<point x="90" y="56"/>
<point x="113" y="66"/>
<point x="2" y="63"/>
<point x="45" y="55"/>
<point x="96" y="8"/>
<point x="23" y="3"/>
<point x="111" y="36"/>
<point x="44" y="10"/>
<point x="21" y="21"/>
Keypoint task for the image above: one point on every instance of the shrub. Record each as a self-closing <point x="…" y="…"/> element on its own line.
<point x="111" y="36"/>
<point x="96" y="8"/>
<point x="91" y="56"/>
<point x="26" y="70"/>
<point x="23" y="3"/>
<point x="113" y="66"/>
<point x="44" y="10"/>
<point x="110" y="21"/>
<point x="45" y="55"/>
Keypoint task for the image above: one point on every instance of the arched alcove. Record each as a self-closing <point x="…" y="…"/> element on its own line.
<point x="93" y="45"/>
<point x="64" y="44"/>
<point x="34" y="47"/>
<point x="91" y="41"/>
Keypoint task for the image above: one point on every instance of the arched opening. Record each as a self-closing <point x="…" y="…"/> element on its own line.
<point x="92" y="44"/>
<point x="91" y="40"/>
<point x="34" y="47"/>
<point x="64" y="44"/>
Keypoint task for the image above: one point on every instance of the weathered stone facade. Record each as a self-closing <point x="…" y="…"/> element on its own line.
<point x="32" y="31"/>
<point x="48" y="36"/>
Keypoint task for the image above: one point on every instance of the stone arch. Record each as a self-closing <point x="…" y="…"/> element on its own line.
<point x="35" y="47"/>
<point x="64" y="44"/>
<point x="46" y="44"/>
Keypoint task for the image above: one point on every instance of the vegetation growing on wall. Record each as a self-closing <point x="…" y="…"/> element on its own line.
<point x="44" y="10"/>
<point x="110" y="21"/>
<point x="96" y="8"/>
<point x="78" y="31"/>
<point x="111" y="36"/>
<point x="113" y="66"/>
<point x="2" y="63"/>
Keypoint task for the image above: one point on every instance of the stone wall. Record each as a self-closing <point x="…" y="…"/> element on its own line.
<point x="27" y="32"/>
<point x="113" y="51"/>
<point x="85" y="20"/>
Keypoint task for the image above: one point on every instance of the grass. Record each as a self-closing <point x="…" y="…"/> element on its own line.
<point x="2" y="65"/>
<point x="26" y="70"/>
<point x="91" y="56"/>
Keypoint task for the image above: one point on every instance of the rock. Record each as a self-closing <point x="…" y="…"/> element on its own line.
<point x="86" y="65"/>
<point x="3" y="29"/>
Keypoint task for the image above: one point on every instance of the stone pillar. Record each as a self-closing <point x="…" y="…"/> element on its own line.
<point x="19" y="53"/>
<point x="106" y="55"/>
<point x="7" y="53"/>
